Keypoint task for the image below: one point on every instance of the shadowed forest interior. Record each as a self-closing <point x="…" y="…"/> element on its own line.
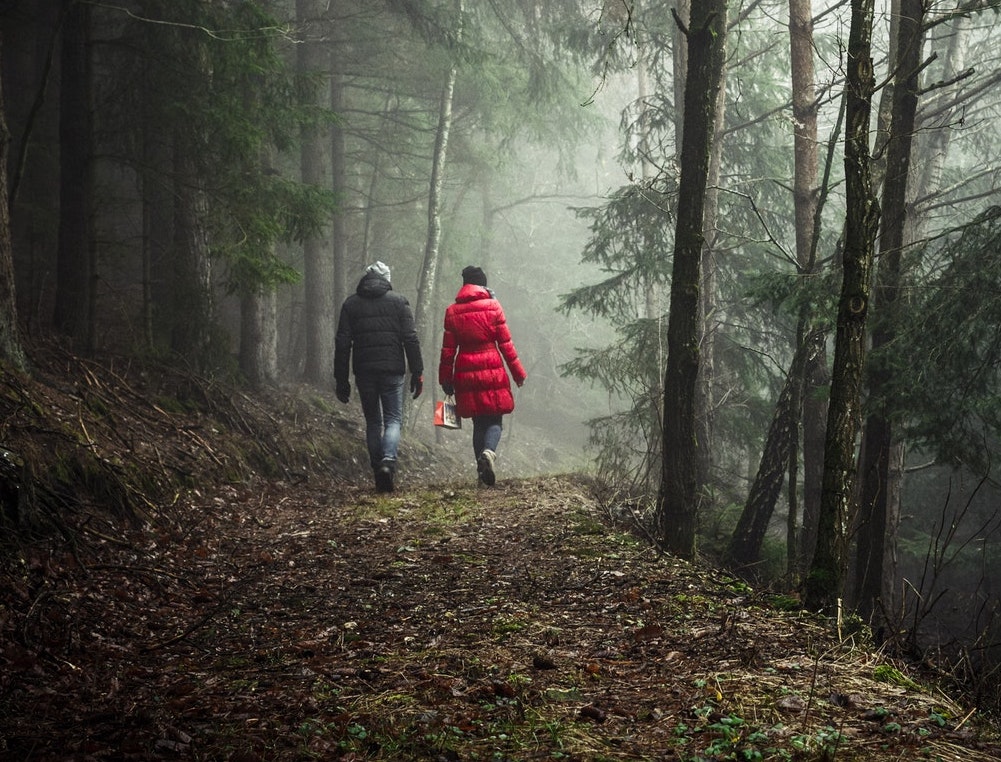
<point x="749" y="252"/>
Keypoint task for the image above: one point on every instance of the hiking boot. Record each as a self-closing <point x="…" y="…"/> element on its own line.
<point x="485" y="467"/>
<point x="384" y="477"/>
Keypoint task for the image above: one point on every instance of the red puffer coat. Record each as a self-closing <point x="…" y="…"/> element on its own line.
<point x="475" y="347"/>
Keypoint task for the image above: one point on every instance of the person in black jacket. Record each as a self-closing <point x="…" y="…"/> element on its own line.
<point x="377" y="326"/>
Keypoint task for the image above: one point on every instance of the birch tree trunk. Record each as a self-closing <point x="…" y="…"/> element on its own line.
<point x="429" y="269"/>
<point x="823" y="584"/>
<point x="682" y="484"/>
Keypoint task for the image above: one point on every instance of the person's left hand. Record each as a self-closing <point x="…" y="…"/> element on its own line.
<point x="416" y="385"/>
<point x="343" y="392"/>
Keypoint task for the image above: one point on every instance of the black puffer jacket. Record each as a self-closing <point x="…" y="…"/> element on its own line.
<point x="377" y="326"/>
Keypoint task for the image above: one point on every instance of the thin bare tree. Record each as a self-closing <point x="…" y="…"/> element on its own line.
<point x="824" y="581"/>
<point x="683" y="483"/>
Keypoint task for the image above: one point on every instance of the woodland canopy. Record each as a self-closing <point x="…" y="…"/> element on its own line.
<point x="748" y="249"/>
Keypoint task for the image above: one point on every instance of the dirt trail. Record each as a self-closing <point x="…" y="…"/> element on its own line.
<point x="286" y="622"/>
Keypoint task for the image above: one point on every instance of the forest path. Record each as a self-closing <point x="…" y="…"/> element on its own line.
<point x="451" y="622"/>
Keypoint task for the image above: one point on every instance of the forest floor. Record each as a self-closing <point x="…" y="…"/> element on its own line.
<point x="301" y="615"/>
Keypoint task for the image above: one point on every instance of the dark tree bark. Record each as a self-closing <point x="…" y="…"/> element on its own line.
<point x="192" y="310"/>
<point x="680" y="60"/>
<point x="339" y="184"/>
<point x="878" y="438"/>
<point x="158" y="216"/>
<point x="318" y="269"/>
<point x="816" y="382"/>
<point x="682" y="484"/>
<point x="744" y="551"/>
<point x="823" y="584"/>
<point x="11" y="348"/>
<point x="74" y="258"/>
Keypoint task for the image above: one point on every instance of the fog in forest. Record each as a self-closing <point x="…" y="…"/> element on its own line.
<point x="205" y="183"/>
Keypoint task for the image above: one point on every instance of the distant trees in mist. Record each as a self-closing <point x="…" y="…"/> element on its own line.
<point x="767" y="281"/>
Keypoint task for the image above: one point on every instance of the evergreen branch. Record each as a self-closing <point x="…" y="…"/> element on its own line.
<point x="223" y="35"/>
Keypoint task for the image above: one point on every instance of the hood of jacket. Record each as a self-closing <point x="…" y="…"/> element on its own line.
<point x="470" y="292"/>
<point x="372" y="286"/>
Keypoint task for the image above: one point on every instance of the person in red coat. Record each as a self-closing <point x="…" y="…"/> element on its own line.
<point x="474" y="349"/>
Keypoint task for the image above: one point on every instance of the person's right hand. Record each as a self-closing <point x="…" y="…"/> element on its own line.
<point x="343" y="392"/>
<point x="448" y="389"/>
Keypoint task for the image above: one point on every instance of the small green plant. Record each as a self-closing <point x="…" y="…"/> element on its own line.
<point x="939" y="717"/>
<point x="504" y="626"/>
<point x="886" y="673"/>
<point x="824" y="742"/>
<point x="739" y="586"/>
<point x="785" y="602"/>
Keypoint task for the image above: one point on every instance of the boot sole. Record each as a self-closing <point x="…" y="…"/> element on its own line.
<point x="486" y="471"/>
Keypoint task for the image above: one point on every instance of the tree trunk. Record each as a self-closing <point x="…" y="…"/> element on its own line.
<point x="653" y="287"/>
<point x="74" y="259"/>
<point x="318" y="269"/>
<point x="878" y="440"/>
<point x="191" y="295"/>
<point x="707" y="296"/>
<point x="808" y="404"/>
<point x="259" y="336"/>
<point x="929" y="155"/>
<point x="934" y="139"/>
<point x="682" y="485"/>
<point x="11" y="348"/>
<point x="816" y="380"/>
<point x="339" y="185"/>
<point x="744" y="551"/>
<point x="258" y="352"/>
<point x="158" y="221"/>
<point x="680" y="61"/>
<point x="823" y="584"/>
<point x="429" y="269"/>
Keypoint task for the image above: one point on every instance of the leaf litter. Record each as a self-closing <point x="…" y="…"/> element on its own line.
<point x="287" y="621"/>
<point x="292" y="613"/>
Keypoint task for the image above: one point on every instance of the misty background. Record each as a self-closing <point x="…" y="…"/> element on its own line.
<point x="206" y="182"/>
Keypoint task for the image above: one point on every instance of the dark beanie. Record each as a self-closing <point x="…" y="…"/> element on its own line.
<point x="474" y="275"/>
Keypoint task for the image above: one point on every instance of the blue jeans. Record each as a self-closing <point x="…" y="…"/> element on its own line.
<point x="486" y="433"/>
<point x="382" y="403"/>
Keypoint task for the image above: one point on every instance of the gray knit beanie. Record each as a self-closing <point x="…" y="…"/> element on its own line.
<point x="379" y="268"/>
